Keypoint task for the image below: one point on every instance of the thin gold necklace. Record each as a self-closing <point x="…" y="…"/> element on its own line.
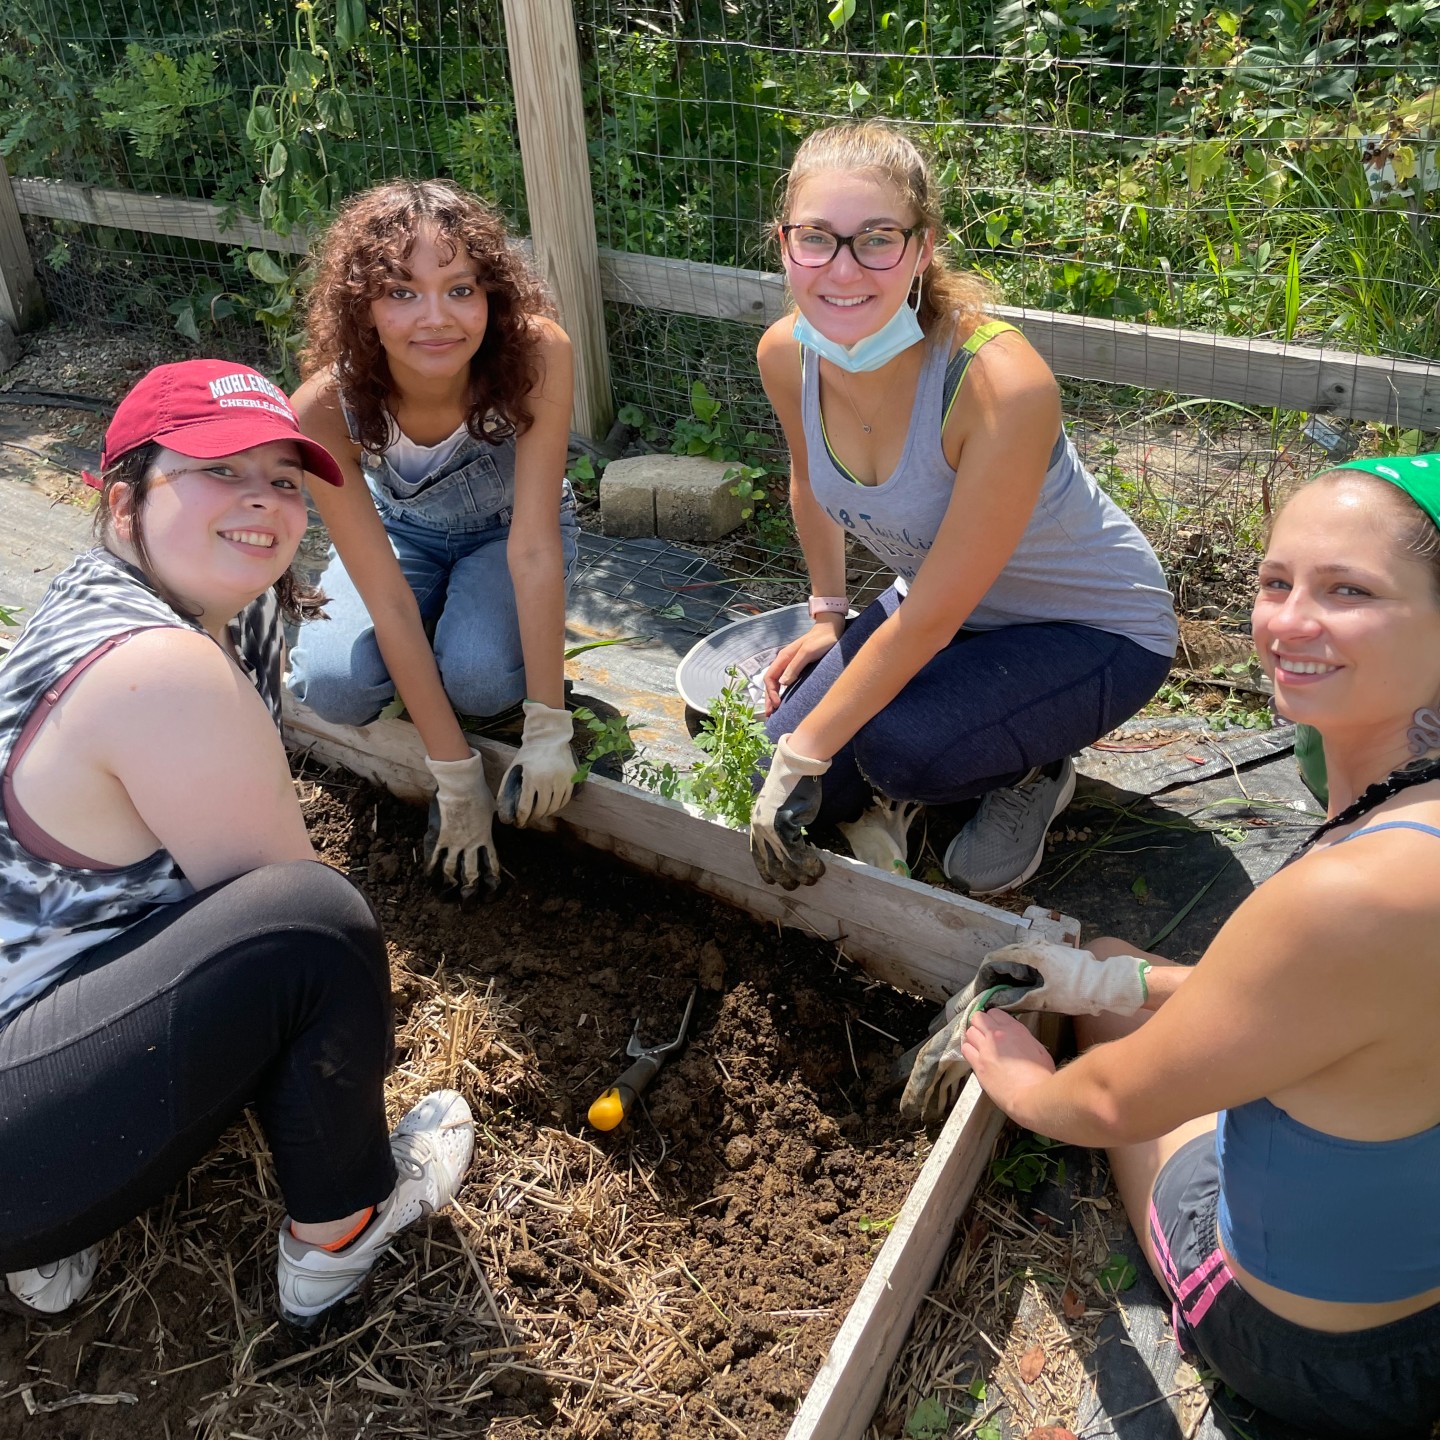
<point x="884" y="399"/>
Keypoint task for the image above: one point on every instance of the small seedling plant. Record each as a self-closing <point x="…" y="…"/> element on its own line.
<point x="721" y="786"/>
<point x="1030" y="1160"/>
<point x="610" y="736"/>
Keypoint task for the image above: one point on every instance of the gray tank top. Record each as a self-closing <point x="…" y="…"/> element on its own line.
<point x="1081" y="560"/>
<point x="52" y="910"/>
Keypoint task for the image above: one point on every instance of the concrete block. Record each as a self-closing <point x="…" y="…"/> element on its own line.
<point x="627" y="499"/>
<point x="693" y="499"/>
<point x="678" y="497"/>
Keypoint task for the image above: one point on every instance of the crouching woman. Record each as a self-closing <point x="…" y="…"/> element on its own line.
<point x="1274" y="1124"/>
<point x="173" y="951"/>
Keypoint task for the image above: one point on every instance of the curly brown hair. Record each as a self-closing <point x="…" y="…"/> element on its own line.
<point x="871" y="147"/>
<point x="366" y="248"/>
<point x="137" y="468"/>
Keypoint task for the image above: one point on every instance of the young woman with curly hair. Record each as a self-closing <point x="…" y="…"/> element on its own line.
<point x="435" y="371"/>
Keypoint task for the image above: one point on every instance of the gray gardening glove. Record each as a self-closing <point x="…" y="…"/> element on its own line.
<point x="458" y="842"/>
<point x="788" y="801"/>
<point x="541" y="777"/>
<point x="1066" y="981"/>
<point x="940" y="1070"/>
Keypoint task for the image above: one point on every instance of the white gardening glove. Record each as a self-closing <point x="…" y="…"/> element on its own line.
<point x="541" y="777"/>
<point x="881" y="836"/>
<point x="1065" y="981"/>
<point x="1029" y="975"/>
<point x="458" y="841"/>
<point x="788" y="801"/>
<point x="940" y="1070"/>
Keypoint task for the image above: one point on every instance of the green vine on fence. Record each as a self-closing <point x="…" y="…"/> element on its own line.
<point x="1265" y="169"/>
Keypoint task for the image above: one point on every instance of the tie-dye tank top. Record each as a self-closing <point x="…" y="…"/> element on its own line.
<point x="51" y="912"/>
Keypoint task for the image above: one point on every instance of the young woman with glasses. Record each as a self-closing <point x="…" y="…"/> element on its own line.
<point x="1028" y="614"/>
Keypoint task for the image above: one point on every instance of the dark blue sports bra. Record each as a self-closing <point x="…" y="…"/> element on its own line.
<point x="1331" y="1219"/>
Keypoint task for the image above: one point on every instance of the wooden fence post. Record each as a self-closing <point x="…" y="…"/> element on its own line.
<point x="545" y="74"/>
<point x="21" y="305"/>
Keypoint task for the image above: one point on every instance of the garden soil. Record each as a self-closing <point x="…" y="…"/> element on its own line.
<point x="681" y="1276"/>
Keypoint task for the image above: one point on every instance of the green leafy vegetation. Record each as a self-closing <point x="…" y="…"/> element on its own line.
<point x="1030" y="1160"/>
<point x="878" y="1228"/>
<point x="930" y="1419"/>
<point x="1264" y="170"/>
<point x="610" y="736"/>
<point x="721" y="786"/>
<point x="1117" y="1273"/>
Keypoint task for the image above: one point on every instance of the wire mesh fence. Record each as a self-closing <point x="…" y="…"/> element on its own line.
<point x="275" y="110"/>
<point x="1266" y="172"/>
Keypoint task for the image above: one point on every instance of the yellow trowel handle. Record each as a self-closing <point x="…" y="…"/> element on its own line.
<point x="615" y="1104"/>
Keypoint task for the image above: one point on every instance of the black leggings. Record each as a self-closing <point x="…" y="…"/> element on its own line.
<point x="271" y="989"/>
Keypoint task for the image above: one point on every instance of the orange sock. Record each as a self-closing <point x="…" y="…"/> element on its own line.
<point x="365" y="1217"/>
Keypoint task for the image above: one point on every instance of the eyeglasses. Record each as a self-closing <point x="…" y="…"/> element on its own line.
<point x="881" y="247"/>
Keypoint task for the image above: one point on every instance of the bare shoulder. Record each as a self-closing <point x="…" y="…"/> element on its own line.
<point x="169" y="658"/>
<point x="1333" y="909"/>
<point x="554" y="376"/>
<point x="1008" y="366"/>
<point x="317" y="407"/>
<point x="159" y="683"/>
<point x="557" y="359"/>
<point x="779" y="358"/>
<point x="549" y="337"/>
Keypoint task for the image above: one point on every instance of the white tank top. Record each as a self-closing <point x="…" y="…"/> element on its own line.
<point x="412" y="461"/>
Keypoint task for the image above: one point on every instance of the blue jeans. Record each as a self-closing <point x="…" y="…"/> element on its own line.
<point x="988" y="708"/>
<point x="462" y="584"/>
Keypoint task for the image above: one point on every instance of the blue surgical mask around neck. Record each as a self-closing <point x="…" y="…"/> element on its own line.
<point x="897" y="334"/>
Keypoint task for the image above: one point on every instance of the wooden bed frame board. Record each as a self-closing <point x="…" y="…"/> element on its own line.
<point x="848" y="1386"/>
<point x="912" y="936"/>
<point x="925" y="941"/>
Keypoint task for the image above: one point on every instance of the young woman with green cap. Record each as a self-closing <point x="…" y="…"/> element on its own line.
<point x="1274" y="1123"/>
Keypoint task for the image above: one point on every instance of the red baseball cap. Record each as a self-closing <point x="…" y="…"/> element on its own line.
<point x="206" y="409"/>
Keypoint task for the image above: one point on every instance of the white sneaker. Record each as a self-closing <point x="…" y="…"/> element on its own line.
<point x="432" y="1146"/>
<point x="881" y="836"/>
<point x="52" y="1289"/>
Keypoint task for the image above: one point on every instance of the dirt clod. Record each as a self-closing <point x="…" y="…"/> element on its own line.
<point x="711" y="966"/>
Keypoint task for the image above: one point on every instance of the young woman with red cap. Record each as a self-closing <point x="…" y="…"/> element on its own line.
<point x="438" y="376"/>
<point x="172" y="950"/>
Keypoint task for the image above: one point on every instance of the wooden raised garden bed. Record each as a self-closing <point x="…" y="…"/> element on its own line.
<point x="909" y="935"/>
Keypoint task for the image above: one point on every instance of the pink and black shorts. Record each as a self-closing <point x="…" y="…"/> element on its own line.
<point x="1383" y="1382"/>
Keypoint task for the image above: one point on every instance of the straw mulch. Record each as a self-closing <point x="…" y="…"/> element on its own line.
<point x="1001" y="1343"/>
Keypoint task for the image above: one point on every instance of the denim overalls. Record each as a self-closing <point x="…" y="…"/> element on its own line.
<point x="448" y="531"/>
